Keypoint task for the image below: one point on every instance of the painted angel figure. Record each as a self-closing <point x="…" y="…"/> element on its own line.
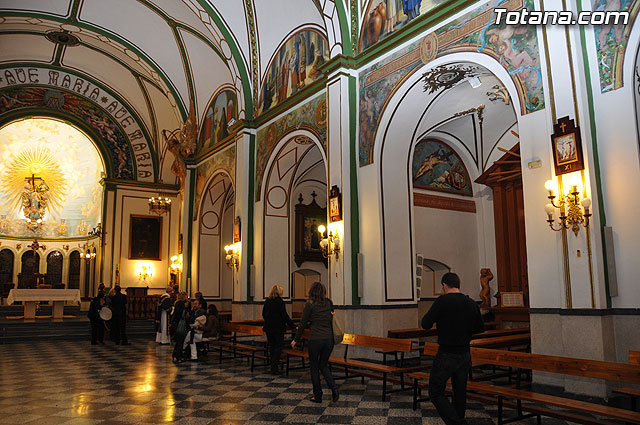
<point x="182" y="143"/>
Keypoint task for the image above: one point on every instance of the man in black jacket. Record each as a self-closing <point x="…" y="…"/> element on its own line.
<point x="119" y="319"/>
<point x="457" y="318"/>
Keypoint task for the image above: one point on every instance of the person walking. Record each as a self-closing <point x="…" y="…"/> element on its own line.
<point x="119" y="319"/>
<point x="276" y="319"/>
<point x="457" y="318"/>
<point x="317" y="314"/>
<point x="97" y="324"/>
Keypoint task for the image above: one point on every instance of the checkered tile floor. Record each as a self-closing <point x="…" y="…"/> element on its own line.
<point x="72" y="382"/>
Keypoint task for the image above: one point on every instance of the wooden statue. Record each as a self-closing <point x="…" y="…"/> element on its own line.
<point x="485" y="277"/>
<point x="182" y="144"/>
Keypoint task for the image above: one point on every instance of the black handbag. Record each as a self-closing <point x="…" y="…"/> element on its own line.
<point x="181" y="328"/>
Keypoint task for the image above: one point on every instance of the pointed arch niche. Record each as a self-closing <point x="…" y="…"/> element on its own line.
<point x="296" y="171"/>
<point x="215" y="279"/>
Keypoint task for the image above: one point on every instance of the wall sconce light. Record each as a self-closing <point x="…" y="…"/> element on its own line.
<point x="146" y="273"/>
<point x="233" y="260"/>
<point x="176" y="264"/>
<point x="573" y="217"/>
<point x="331" y="244"/>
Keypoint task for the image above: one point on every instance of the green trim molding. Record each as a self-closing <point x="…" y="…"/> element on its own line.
<point x="353" y="180"/>
<point x="250" y="208"/>
<point x="596" y="156"/>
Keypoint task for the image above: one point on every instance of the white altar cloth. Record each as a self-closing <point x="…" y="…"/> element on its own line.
<point x="30" y="297"/>
<point x="72" y="295"/>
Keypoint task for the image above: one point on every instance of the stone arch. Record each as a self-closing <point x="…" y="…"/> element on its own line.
<point x="119" y="132"/>
<point x="398" y="259"/>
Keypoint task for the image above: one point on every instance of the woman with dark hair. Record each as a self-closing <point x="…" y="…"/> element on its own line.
<point x="179" y="321"/>
<point x="212" y="327"/>
<point x="275" y="318"/>
<point x="317" y="315"/>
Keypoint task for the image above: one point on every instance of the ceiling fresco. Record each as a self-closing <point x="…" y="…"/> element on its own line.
<point x="160" y="56"/>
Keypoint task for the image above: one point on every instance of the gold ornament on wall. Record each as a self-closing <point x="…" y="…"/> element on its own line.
<point x="34" y="183"/>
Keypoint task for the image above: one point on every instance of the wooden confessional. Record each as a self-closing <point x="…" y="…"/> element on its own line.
<point x="504" y="177"/>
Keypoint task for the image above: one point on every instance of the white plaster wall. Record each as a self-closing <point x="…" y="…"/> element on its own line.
<point x="132" y="201"/>
<point x="617" y="141"/>
<point x="449" y="237"/>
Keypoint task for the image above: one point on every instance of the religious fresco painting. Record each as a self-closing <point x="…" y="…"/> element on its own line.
<point x="221" y="115"/>
<point x="49" y="180"/>
<point x="224" y="160"/>
<point x="611" y="42"/>
<point x="437" y="167"/>
<point x="296" y="65"/>
<point x="311" y="116"/>
<point x="514" y="47"/>
<point x="383" y="17"/>
<point x="95" y="117"/>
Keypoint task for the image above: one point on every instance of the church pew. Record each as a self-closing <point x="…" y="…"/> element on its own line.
<point x="503" y="342"/>
<point x="578" y="411"/>
<point x="360" y="368"/>
<point x="632" y="393"/>
<point x="231" y="344"/>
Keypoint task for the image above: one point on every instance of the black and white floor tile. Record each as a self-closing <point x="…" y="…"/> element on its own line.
<point x="74" y="383"/>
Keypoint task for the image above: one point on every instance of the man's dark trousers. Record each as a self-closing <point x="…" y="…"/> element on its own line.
<point x="456" y="367"/>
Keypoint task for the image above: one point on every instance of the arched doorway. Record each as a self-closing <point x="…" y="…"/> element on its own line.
<point x="29" y="270"/>
<point x="54" y="268"/>
<point x="296" y="176"/>
<point x="217" y="215"/>
<point x="74" y="270"/>
<point x="6" y="271"/>
<point x="447" y="125"/>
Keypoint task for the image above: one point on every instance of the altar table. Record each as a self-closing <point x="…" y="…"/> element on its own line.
<point x="30" y="297"/>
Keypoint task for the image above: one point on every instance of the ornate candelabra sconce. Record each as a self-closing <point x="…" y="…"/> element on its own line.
<point x="574" y="211"/>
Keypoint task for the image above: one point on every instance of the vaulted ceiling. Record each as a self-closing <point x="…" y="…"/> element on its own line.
<point x="161" y="55"/>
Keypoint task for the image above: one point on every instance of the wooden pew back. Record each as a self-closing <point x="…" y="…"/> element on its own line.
<point x="395" y="344"/>
<point x="634" y="357"/>
<point x="242" y="328"/>
<point x="506" y="341"/>
<point x="598" y="369"/>
<point x="411" y="333"/>
<point x="501" y="332"/>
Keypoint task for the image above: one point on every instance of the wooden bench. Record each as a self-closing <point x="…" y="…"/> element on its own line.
<point x="504" y="342"/>
<point x="493" y="333"/>
<point x="632" y="393"/>
<point x="354" y="368"/>
<point x="577" y="411"/>
<point x="231" y="344"/>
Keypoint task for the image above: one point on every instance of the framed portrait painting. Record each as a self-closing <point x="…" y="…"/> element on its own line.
<point x="567" y="147"/>
<point x="145" y="237"/>
<point x="335" y="205"/>
<point x="307" y="237"/>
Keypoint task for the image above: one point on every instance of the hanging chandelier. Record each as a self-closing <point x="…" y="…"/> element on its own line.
<point x="159" y="205"/>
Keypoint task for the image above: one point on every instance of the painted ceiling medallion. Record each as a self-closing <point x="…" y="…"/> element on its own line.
<point x="62" y="37"/>
<point x="444" y="77"/>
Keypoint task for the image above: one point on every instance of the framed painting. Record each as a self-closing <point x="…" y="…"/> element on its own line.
<point x="145" y="237"/>
<point x="567" y="147"/>
<point x="307" y="237"/>
<point x="236" y="230"/>
<point x="335" y="205"/>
